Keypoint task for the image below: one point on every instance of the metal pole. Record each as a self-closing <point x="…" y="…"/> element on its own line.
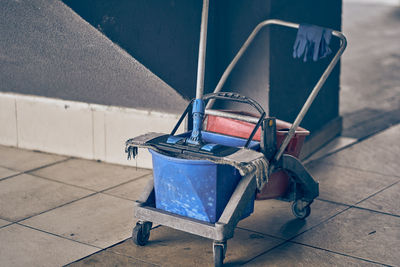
<point x="313" y="94"/>
<point x="198" y="104"/>
<point x="315" y="90"/>
<point x="202" y="50"/>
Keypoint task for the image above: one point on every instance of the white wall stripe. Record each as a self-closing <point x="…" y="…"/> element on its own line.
<point x="78" y="129"/>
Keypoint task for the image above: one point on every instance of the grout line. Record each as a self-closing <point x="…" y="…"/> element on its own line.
<point x="260" y="233"/>
<point x="35" y="169"/>
<point x="78" y="199"/>
<point x="11" y="176"/>
<point x="128" y="256"/>
<point x="64" y="183"/>
<point x="357" y="169"/>
<point x="113" y="252"/>
<point x="124" y="183"/>
<point x="378" y="192"/>
<point x="309" y="159"/>
<point x="360" y="208"/>
<point x="338" y="253"/>
<point x="357" y="141"/>
<point x="265" y="252"/>
<point x="63" y="237"/>
<point x="62" y="205"/>
<point x="290" y="239"/>
<point x="89" y="189"/>
<point x="10" y="223"/>
<point x="48" y="165"/>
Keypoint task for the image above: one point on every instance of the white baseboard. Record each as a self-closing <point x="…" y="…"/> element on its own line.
<point x="77" y="129"/>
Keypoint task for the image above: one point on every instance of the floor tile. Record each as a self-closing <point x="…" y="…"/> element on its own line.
<point x="106" y="259"/>
<point x="378" y="153"/>
<point x="22" y="246"/>
<point x="131" y="190"/>
<point x="4" y="172"/>
<point x="347" y="185"/>
<point x="4" y="222"/>
<point x="26" y="195"/>
<point x="169" y="247"/>
<point x="360" y="233"/>
<point x="98" y="220"/>
<point x="91" y="174"/>
<point x="332" y="146"/>
<point x="291" y="254"/>
<point x="275" y="218"/>
<point x="386" y="201"/>
<point x="23" y="160"/>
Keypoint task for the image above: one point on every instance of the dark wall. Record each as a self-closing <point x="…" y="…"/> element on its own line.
<point x="161" y="34"/>
<point x="164" y="34"/>
<point x="292" y="80"/>
<point x="250" y="77"/>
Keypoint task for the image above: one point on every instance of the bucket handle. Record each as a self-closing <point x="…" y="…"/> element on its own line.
<point x="229" y="96"/>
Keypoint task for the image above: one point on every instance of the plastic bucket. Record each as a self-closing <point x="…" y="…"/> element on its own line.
<point x="197" y="189"/>
<point x="243" y="129"/>
<point x="278" y="181"/>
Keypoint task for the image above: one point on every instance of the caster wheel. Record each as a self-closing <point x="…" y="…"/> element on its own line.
<point x="300" y="213"/>
<point x="219" y="254"/>
<point x="141" y="233"/>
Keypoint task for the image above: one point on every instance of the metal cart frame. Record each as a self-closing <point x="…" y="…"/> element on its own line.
<point x="304" y="188"/>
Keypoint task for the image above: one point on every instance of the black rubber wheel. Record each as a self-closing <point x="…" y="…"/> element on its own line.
<point x="218" y="255"/>
<point x="301" y="214"/>
<point x="141" y="233"/>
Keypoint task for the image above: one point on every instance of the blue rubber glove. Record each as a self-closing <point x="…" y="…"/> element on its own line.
<point x="312" y="42"/>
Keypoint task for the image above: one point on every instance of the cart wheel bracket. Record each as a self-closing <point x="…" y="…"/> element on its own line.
<point x="219" y="251"/>
<point x="301" y="209"/>
<point x="141" y="233"/>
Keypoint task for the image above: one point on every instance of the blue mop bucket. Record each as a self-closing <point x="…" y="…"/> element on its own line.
<point x="198" y="189"/>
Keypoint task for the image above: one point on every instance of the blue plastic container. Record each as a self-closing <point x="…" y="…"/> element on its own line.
<point x="197" y="189"/>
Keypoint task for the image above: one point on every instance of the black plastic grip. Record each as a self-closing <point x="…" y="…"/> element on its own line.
<point x="235" y="97"/>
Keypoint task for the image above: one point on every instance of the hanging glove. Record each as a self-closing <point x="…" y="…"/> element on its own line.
<point x="312" y="42"/>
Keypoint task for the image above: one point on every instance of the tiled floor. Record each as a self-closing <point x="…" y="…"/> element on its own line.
<point x="53" y="210"/>
<point x="56" y="211"/>
<point x="354" y="222"/>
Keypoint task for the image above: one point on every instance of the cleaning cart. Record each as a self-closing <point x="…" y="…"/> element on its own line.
<point x="205" y="182"/>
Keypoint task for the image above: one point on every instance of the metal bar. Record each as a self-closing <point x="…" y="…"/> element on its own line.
<point x="202" y="51"/>
<point x="243" y="49"/>
<point x="179" y="222"/>
<point x="310" y="187"/>
<point x="250" y="39"/>
<point x="236" y="205"/>
<point x="147" y="193"/>
<point x="225" y="114"/>
<point x="255" y="130"/>
<point x="313" y="94"/>
<point x="181" y="118"/>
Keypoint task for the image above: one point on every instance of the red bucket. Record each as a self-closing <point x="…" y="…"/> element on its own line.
<point x="278" y="181"/>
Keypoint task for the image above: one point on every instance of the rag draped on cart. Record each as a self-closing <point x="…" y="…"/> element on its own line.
<point x="245" y="160"/>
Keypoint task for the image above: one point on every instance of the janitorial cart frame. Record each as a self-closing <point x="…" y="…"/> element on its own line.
<point x="303" y="188"/>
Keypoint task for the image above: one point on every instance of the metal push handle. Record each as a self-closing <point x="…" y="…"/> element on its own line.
<point x="314" y="92"/>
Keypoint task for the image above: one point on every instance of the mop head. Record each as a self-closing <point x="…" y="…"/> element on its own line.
<point x="245" y="160"/>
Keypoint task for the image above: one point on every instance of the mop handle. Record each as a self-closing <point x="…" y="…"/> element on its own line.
<point x="202" y="51"/>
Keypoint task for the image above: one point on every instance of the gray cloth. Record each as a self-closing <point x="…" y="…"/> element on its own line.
<point x="245" y="160"/>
